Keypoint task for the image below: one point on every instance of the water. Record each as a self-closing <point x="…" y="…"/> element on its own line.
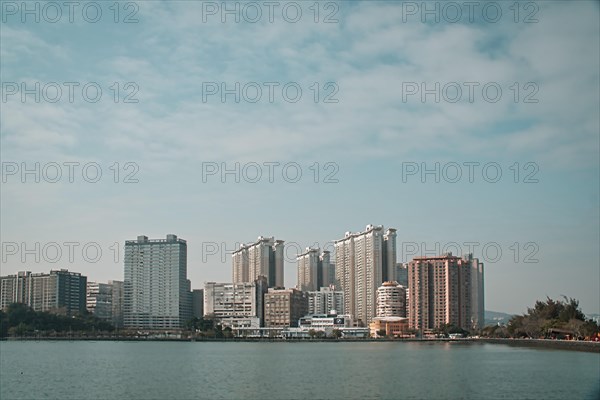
<point x="180" y="370"/>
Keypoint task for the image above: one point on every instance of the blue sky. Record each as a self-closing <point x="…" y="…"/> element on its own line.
<point x="372" y="52"/>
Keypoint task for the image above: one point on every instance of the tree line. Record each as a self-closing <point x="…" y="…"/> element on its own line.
<point x="550" y="319"/>
<point x="21" y="320"/>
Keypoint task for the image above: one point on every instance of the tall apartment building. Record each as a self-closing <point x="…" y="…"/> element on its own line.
<point x="59" y="291"/>
<point x="284" y="307"/>
<point x="363" y="261"/>
<point x="261" y="258"/>
<point x="313" y="269"/>
<point x="237" y="305"/>
<point x="156" y="289"/>
<point x="99" y="297"/>
<point x="325" y="300"/>
<point x="391" y="300"/>
<point x="441" y="292"/>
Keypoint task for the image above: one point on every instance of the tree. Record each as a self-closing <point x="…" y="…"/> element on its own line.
<point x="219" y="331"/>
<point x="227" y="332"/>
<point x="312" y="333"/>
<point x="548" y="315"/>
<point x="3" y="324"/>
<point x="589" y="328"/>
<point x="19" y="319"/>
<point x="336" y="333"/>
<point x="192" y="323"/>
<point x="206" y="323"/>
<point x="381" y="333"/>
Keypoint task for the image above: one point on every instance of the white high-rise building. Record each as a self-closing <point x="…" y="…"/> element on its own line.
<point x="363" y="261"/>
<point x="261" y="258"/>
<point x="391" y="300"/>
<point x="156" y="289"/>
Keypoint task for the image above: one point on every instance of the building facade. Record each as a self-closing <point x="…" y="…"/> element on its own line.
<point x="198" y="303"/>
<point x="477" y="292"/>
<point x="284" y="307"/>
<point x="237" y="305"/>
<point x="117" y="303"/>
<point x="261" y="258"/>
<point x="393" y="326"/>
<point x="402" y="274"/>
<point x="59" y="291"/>
<point x="15" y="289"/>
<point x="99" y="298"/>
<point x="313" y="269"/>
<point x="363" y="261"/>
<point x="325" y="300"/>
<point x="391" y="300"/>
<point x="156" y="289"/>
<point x="441" y="292"/>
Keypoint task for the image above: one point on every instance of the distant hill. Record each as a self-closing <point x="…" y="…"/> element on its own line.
<point x="495" y="317"/>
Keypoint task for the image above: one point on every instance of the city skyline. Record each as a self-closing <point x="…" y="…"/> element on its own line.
<point x="166" y="161"/>
<point x="291" y="267"/>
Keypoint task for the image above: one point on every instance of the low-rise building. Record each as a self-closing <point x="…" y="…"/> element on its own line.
<point x="236" y="304"/>
<point x="99" y="298"/>
<point x="393" y="326"/>
<point x="284" y="307"/>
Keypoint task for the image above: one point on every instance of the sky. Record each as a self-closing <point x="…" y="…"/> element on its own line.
<point x="467" y="130"/>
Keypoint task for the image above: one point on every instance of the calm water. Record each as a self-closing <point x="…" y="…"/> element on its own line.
<point x="179" y="370"/>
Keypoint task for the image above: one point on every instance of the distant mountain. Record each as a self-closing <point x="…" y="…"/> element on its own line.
<point x="495" y="317"/>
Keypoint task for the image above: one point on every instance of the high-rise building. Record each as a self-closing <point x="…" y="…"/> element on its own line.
<point x="329" y="274"/>
<point x="402" y="274"/>
<point x="391" y="300"/>
<point x="284" y="307"/>
<point x="99" y="298"/>
<point x="59" y="291"/>
<point x="477" y="292"/>
<point x="313" y="269"/>
<point x="237" y="305"/>
<point x="261" y="258"/>
<point x="117" y="303"/>
<point x="325" y="300"/>
<point x="441" y="292"/>
<point x="156" y="289"/>
<point x="198" y="303"/>
<point x="363" y="261"/>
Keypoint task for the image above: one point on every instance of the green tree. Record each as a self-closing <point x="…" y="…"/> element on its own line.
<point x="227" y="332"/>
<point x="548" y="315"/>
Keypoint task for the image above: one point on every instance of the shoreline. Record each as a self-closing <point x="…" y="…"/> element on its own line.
<point x="570" y="345"/>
